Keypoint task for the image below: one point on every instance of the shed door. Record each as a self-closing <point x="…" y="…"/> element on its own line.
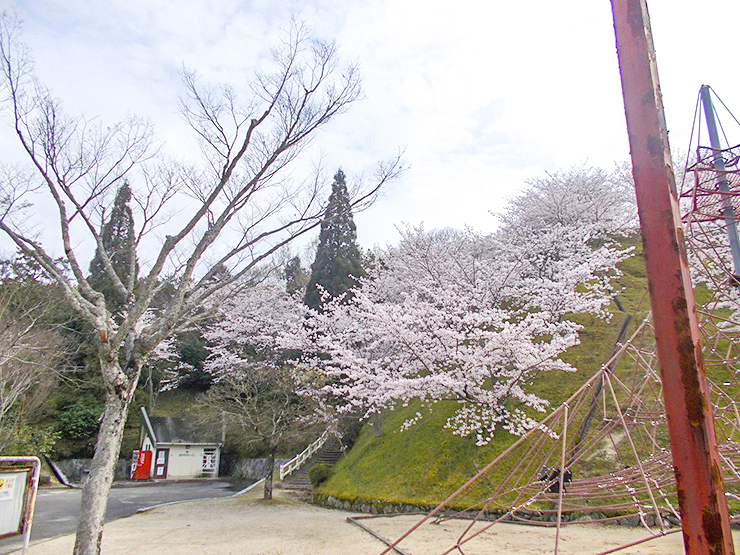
<point x="210" y="458"/>
<point x="160" y="463"/>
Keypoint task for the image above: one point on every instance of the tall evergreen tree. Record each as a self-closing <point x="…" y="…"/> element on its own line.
<point x="118" y="239"/>
<point x="338" y="262"/>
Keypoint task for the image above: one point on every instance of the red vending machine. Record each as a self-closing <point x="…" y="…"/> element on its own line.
<point x="143" y="466"/>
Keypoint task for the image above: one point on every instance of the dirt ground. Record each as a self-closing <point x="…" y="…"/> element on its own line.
<point x="247" y="525"/>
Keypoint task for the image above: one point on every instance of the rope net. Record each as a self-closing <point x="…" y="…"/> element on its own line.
<point x="703" y="200"/>
<point x="604" y="455"/>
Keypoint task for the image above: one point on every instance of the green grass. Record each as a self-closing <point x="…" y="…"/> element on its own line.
<point x="420" y="466"/>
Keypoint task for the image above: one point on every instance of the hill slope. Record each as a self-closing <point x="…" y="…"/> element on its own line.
<point x="426" y="463"/>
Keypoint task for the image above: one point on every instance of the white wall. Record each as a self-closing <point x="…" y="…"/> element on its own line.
<point x="147" y="444"/>
<point x="185" y="461"/>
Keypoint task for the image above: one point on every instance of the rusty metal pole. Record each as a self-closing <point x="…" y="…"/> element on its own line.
<point x="704" y="515"/>
<point x="728" y="211"/>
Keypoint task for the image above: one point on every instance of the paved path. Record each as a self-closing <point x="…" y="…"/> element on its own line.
<point x="57" y="509"/>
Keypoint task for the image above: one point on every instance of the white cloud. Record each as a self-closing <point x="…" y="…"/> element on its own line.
<point x="481" y="94"/>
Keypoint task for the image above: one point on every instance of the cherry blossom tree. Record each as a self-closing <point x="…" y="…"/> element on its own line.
<point x="258" y="390"/>
<point x="260" y="317"/>
<point x="582" y="196"/>
<point x="455" y="315"/>
<point x="241" y="190"/>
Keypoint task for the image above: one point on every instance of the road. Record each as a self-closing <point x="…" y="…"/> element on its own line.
<point x="57" y="509"/>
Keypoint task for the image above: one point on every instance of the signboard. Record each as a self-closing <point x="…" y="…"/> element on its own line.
<point x="12" y="494"/>
<point x="19" y="481"/>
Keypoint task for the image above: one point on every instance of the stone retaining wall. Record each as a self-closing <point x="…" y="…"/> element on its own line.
<point x="383" y="508"/>
<point x="253" y="469"/>
<point x="77" y="470"/>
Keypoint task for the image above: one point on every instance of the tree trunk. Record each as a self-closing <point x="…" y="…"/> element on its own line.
<point x="377" y="424"/>
<point x="102" y="470"/>
<point x="268" y="476"/>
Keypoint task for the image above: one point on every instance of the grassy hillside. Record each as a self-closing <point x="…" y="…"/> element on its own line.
<point x="426" y="463"/>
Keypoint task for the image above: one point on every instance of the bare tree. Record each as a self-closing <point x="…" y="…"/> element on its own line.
<point x="267" y="405"/>
<point x="31" y="349"/>
<point x="239" y="192"/>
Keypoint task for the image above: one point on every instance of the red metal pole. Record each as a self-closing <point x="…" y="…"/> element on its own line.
<point x="704" y="515"/>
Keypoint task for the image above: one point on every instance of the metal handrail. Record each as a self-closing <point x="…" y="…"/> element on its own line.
<point x="296" y="462"/>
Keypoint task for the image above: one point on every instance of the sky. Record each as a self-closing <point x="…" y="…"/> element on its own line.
<point x="481" y="96"/>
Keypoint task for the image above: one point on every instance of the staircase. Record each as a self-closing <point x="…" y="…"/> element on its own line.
<point x="329" y="453"/>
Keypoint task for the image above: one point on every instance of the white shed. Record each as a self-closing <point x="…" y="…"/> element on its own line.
<point x="179" y="448"/>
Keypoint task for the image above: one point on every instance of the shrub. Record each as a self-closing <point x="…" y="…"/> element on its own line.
<point x="80" y="420"/>
<point x="319" y="473"/>
<point x="77" y="424"/>
<point x="30" y="440"/>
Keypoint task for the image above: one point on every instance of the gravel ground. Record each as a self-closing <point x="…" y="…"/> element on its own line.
<point x="247" y="525"/>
